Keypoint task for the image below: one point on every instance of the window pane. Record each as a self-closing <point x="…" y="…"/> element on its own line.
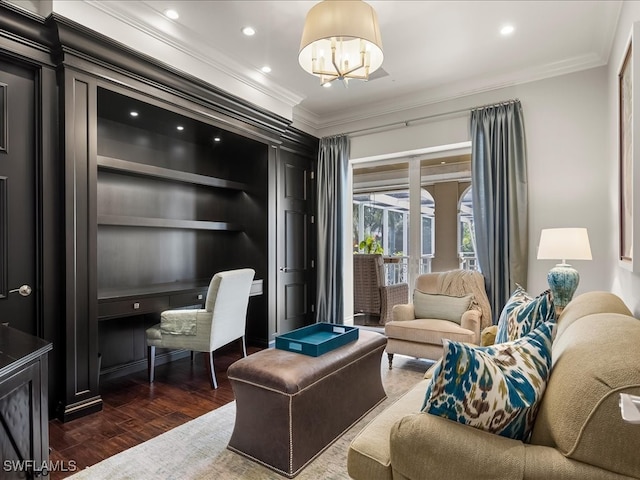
<point x="427" y="235"/>
<point x="395" y="244"/>
<point x="356" y="225"/>
<point x="373" y="222"/>
<point x="466" y="233"/>
<point x="427" y="207"/>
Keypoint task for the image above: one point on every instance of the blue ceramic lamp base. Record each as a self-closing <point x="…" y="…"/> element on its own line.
<point x="563" y="280"/>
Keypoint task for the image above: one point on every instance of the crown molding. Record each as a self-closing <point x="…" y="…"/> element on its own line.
<point x="376" y="112"/>
<point x="211" y="57"/>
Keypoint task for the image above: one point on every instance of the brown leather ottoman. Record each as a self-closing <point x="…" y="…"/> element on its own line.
<point x="290" y="407"/>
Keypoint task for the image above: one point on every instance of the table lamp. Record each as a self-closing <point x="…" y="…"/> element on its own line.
<point x="563" y="244"/>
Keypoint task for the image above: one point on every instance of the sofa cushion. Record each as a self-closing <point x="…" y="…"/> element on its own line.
<point x="522" y="314"/>
<point x="590" y="303"/>
<point x="596" y="358"/>
<point x="438" y="306"/>
<point x="495" y="388"/>
<point x="369" y="454"/>
<point x="428" y="331"/>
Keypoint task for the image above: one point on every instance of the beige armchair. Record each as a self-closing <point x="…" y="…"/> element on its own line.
<point x="408" y="334"/>
<point x="371" y="295"/>
<point x="222" y="320"/>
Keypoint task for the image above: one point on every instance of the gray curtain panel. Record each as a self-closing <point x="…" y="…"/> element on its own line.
<point x="500" y="199"/>
<point x="333" y="160"/>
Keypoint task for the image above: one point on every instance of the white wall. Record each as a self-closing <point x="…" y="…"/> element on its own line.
<point x="569" y="170"/>
<point x="623" y="282"/>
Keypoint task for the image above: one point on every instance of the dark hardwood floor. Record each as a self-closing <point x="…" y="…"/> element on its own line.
<point x="135" y="411"/>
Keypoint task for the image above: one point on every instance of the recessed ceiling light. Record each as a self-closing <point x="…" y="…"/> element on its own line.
<point x="507" y="30"/>
<point x="172" y="14"/>
<point x="248" y="31"/>
<point x="133" y="113"/>
<point x="326" y="85"/>
<point x="266" y="69"/>
<point x="180" y="127"/>
<point x="217" y="139"/>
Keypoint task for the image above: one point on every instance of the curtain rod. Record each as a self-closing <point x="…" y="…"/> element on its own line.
<point x="406" y="123"/>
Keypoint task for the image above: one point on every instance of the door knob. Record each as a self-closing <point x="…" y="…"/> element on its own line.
<point x="24" y="290"/>
<point x="284" y="269"/>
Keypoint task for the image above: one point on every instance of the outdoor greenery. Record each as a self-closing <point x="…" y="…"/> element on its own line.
<point x="370" y="245"/>
<point x="374" y="228"/>
<point x="467" y="241"/>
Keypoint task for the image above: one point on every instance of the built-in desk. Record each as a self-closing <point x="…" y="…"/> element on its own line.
<point x="125" y="313"/>
<point x="24" y="415"/>
<point x="124" y="302"/>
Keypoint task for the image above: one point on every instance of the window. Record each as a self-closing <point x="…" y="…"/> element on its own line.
<point x="427" y="206"/>
<point x="466" y="233"/>
<point x="381" y="225"/>
<point x="383" y="216"/>
<point x="382" y="211"/>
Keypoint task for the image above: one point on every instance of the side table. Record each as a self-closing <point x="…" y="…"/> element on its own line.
<point x="24" y="416"/>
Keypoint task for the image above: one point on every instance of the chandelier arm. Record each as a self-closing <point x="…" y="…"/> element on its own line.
<point x="353" y="70"/>
<point x="333" y="61"/>
<point x="334" y="75"/>
<point x="325" y="72"/>
<point x="344" y="74"/>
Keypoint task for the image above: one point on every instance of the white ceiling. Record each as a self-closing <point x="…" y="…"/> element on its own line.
<point x="433" y="50"/>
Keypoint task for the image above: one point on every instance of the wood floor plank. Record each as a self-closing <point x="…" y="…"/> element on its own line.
<point x="135" y="411"/>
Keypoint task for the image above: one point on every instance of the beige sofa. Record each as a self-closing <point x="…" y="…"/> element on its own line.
<point x="578" y="433"/>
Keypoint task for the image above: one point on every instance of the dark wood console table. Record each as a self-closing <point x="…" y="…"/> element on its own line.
<point x="24" y="416"/>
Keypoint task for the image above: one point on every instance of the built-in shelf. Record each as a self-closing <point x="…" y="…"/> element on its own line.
<point x="116" y="164"/>
<point x="127" y="221"/>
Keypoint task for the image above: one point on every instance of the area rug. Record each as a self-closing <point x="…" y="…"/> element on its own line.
<point x="198" y="449"/>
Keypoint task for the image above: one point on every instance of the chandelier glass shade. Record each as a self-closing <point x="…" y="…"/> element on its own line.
<point x="341" y="40"/>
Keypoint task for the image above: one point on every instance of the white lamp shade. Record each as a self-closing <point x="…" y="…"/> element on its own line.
<point x="347" y="21"/>
<point x="564" y="244"/>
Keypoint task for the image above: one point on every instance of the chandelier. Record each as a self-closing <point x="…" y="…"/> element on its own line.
<point x="341" y="40"/>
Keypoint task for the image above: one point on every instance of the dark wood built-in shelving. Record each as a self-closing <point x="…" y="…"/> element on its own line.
<point x="117" y="164"/>
<point x="127" y="221"/>
<point x="124" y="206"/>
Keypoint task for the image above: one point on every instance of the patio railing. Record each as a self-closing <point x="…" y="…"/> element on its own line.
<point x="396" y="267"/>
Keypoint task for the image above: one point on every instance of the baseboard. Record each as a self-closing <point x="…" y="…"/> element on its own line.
<point x="140" y="365"/>
<point x="80" y="409"/>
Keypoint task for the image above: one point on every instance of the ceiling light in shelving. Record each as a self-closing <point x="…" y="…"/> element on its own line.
<point x="266" y="69"/>
<point x="180" y="127"/>
<point x="133" y="113"/>
<point x="507" y="30"/>
<point x="248" y="31"/>
<point x="217" y="139"/>
<point x="172" y="14"/>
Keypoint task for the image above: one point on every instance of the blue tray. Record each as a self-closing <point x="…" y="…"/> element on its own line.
<point x="317" y="339"/>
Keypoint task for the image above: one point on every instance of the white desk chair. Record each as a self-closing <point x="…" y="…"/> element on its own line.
<point x="222" y="320"/>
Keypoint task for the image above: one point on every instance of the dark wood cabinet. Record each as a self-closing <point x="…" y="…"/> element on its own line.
<point x="151" y="211"/>
<point x="24" y="417"/>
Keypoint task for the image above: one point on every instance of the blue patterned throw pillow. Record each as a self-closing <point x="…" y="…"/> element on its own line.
<point x="497" y="389"/>
<point x="522" y="314"/>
